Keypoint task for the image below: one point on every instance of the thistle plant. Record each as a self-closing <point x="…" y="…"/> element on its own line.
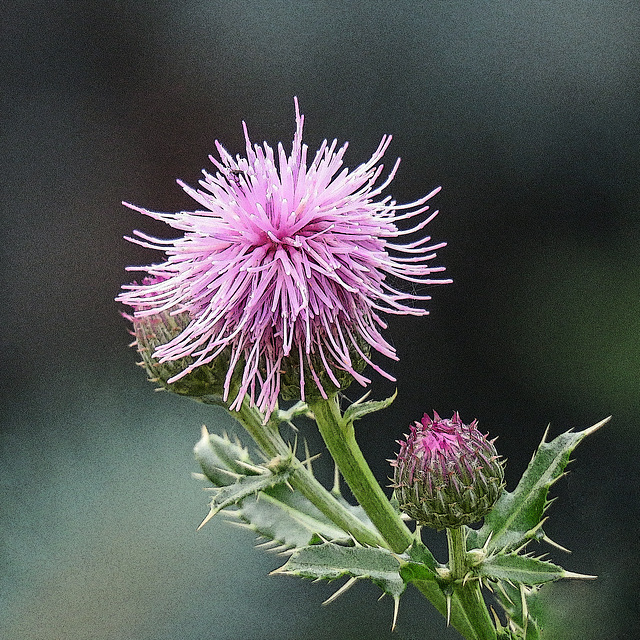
<point x="276" y="292"/>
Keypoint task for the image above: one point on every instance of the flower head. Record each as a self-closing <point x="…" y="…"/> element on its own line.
<point x="286" y="267"/>
<point x="447" y="473"/>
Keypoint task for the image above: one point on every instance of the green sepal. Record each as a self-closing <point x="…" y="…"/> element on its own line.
<point x="328" y="561"/>
<point x="517" y="516"/>
<point x="518" y="569"/>
<point x="360" y="409"/>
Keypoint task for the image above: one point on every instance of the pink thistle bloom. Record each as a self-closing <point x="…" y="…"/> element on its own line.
<point x="287" y="259"/>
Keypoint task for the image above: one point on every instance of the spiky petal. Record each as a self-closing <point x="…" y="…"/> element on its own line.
<point x="447" y="473"/>
<point x="288" y="260"/>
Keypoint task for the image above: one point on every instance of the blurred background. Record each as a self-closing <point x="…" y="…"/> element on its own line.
<point x="528" y="115"/>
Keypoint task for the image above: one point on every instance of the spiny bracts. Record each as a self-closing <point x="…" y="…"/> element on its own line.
<point x="447" y="474"/>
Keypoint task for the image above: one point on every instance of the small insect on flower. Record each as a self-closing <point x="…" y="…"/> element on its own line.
<point x="235" y="175"/>
<point x="286" y="269"/>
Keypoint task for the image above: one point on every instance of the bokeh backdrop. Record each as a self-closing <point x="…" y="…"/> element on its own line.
<point x="527" y="113"/>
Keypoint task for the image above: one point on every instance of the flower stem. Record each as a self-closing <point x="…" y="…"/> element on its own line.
<point x="339" y="436"/>
<point x="468" y="611"/>
<point x="468" y="596"/>
<point x="268" y="438"/>
<point x="457" y="553"/>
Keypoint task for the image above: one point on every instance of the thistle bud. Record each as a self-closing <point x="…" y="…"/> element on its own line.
<point x="447" y="474"/>
<point x="152" y="330"/>
<point x="204" y="382"/>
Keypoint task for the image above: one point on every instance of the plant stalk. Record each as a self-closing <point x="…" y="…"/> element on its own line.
<point x="339" y="436"/>
<point x="468" y="611"/>
<point x="268" y="438"/>
<point x="469" y="595"/>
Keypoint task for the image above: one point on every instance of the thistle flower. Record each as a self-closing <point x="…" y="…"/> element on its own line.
<point x="447" y="473"/>
<point x="287" y="262"/>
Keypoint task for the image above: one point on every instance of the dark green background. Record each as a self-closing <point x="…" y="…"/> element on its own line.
<point x="526" y="112"/>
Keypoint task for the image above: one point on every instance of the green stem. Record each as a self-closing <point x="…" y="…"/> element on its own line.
<point x="339" y="436"/>
<point x="468" y="612"/>
<point x="468" y="596"/>
<point x="457" y="553"/>
<point x="268" y="438"/>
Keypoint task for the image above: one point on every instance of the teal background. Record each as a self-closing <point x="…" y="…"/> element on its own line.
<point x="527" y="113"/>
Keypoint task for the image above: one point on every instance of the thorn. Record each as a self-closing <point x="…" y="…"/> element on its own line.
<point x="525" y="608"/>
<point x="396" y="607"/>
<point x="212" y="512"/>
<point x="364" y="397"/>
<point x="307" y="454"/>
<point x="448" y="596"/>
<point x="307" y="461"/>
<point x="266" y="544"/>
<point x="545" y="434"/>
<point x="496" y="618"/>
<point x="548" y="540"/>
<point x="345" y="587"/>
<point x="250" y="467"/>
<point x="204" y="432"/>
<point x="336" y="481"/>
<point x="282" y="550"/>
<point x="504" y="593"/>
<point x="485" y="546"/>
<point x="595" y="427"/>
<point x="578" y="576"/>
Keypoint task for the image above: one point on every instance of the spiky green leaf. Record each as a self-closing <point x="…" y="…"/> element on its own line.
<point x="275" y="512"/>
<point x="517" y="516"/>
<point x="287" y="518"/>
<point x="244" y="487"/>
<point x="518" y="569"/>
<point x="417" y="563"/>
<point x="330" y="561"/>
<point x="221" y="459"/>
<point x="359" y="409"/>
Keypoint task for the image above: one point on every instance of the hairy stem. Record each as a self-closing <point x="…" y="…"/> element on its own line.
<point x="469" y="595"/>
<point x="268" y="438"/>
<point x="339" y="436"/>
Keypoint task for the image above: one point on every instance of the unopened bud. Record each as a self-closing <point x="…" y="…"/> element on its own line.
<point x="152" y="331"/>
<point x="447" y="474"/>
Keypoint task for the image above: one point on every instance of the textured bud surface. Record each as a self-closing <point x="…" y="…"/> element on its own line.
<point x="153" y="330"/>
<point x="158" y="329"/>
<point x="447" y="474"/>
<point x="316" y="377"/>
